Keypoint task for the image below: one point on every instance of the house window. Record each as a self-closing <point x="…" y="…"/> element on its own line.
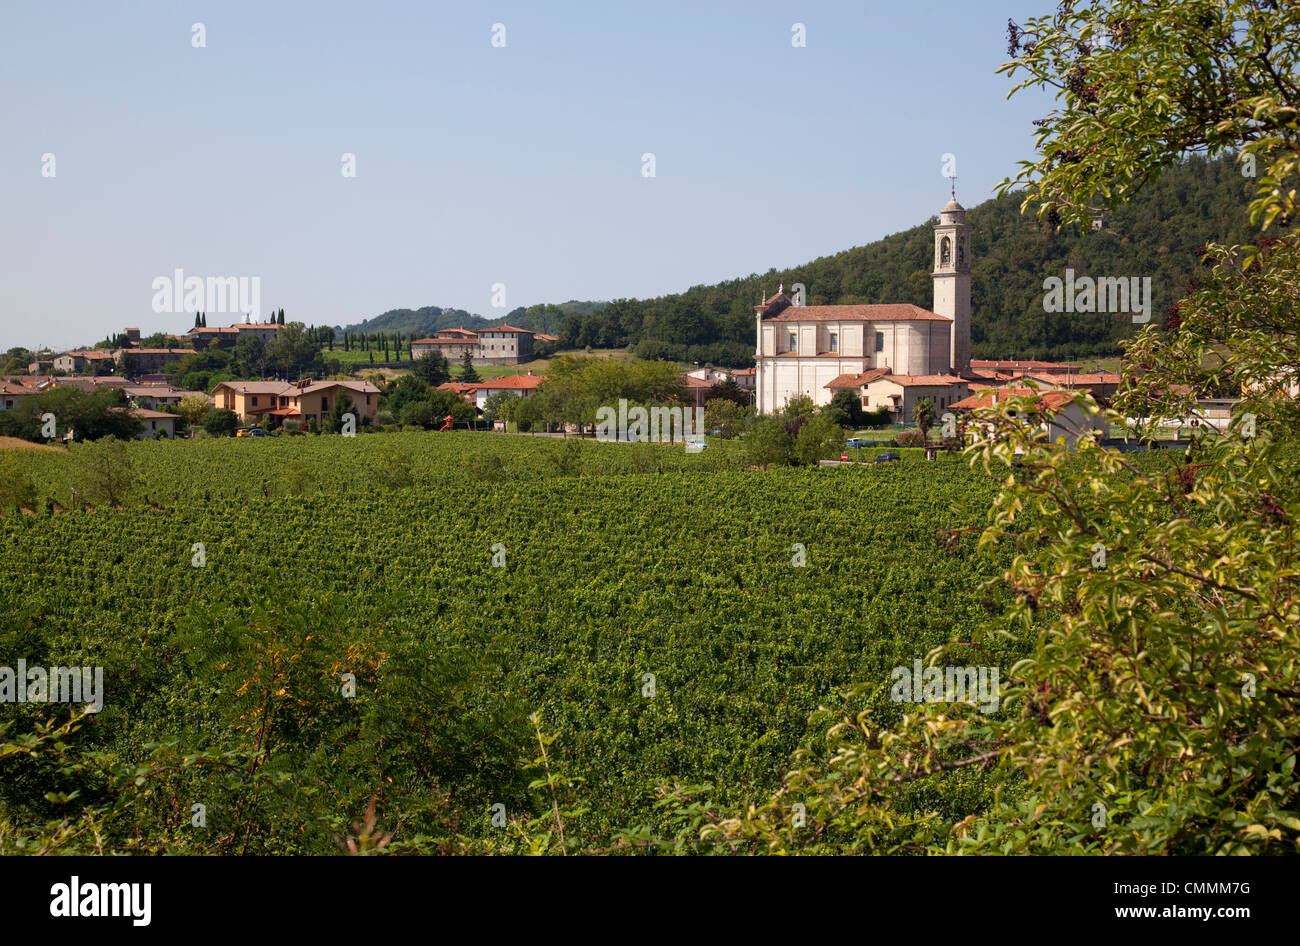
<point x="324" y="403"/>
<point x="880" y="341"/>
<point x="835" y="342"/>
<point x="794" y="342"/>
<point x="255" y="400"/>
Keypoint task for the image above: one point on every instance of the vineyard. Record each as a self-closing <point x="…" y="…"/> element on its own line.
<point x="466" y="581"/>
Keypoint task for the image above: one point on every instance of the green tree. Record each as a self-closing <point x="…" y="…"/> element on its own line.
<point x="341" y="404"/>
<point x="194" y="409"/>
<point x="106" y="473"/>
<point x="221" y="422"/>
<point x="819" y="439"/>
<point x="250" y="355"/>
<point x="467" y="373"/>
<point x="417" y="414"/>
<point x="501" y="406"/>
<point x="923" y="417"/>
<point x="431" y="368"/>
<point x="768" y="444"/>
<point x="725" y="415"/>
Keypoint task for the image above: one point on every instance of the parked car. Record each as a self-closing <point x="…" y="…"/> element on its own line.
<point x="258" y="432"/>
<point x="857" y="442"/>
<point x="886" y="458"/>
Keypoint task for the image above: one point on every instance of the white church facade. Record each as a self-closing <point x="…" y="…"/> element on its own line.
<point x="889" y="355"/>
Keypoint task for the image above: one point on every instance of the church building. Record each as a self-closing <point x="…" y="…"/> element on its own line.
<point x="890" y="355"/>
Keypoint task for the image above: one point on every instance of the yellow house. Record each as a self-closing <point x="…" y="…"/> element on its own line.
<point x="305" y="401"/>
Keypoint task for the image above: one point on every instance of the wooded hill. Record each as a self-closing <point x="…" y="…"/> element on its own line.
<point x="1157" y="235"/>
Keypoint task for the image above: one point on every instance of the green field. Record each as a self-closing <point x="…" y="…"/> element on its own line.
<point x="374" y="556"/>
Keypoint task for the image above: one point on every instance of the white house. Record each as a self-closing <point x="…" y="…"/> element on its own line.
<point x="520" y="385"/>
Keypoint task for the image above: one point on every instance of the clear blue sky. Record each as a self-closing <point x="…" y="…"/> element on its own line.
<point x="475" y="165"/>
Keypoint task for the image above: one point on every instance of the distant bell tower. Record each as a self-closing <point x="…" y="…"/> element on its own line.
<point x="952" y="280"/>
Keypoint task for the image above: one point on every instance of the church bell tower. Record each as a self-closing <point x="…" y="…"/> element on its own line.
<point x="952" y="281"/>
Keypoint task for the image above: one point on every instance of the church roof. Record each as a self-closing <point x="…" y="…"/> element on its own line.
<point x="889" y="312"/>
<point x="952" y="205"/>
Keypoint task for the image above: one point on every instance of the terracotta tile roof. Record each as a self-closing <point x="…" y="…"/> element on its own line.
<point x="458" y="331"/>
<point x="890" y="312"/>
<point x="1077" y="380"/>
<point x="360" y="387"/>
<point x="513" y="382"/>
<point x="696" y="382"/>
<point x="258" y="387"/>
<point x="457" y="387"/>
<point x="857" y="380"/>
<point x="15" y="390"/>
<point x="545" y="338"/>
<point x="145" y="414"/>
<point x="505" y="328"/>
<point x="987" y="398"/>
<point x="924" y="380"/>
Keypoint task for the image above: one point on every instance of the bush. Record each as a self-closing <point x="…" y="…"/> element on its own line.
<point x="874" y="420"/>
<point x="417" y="414"/>
<point x="767" y="443"/>
<point x="910" y="438"/>
<point x="221" y="422"/>
<point x="819" y="439"/>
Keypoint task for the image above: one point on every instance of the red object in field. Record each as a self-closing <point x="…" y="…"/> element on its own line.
<point x="446" y="426"/>
<point x="844" y="456"/>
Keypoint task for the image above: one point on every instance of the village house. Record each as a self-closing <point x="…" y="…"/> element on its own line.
<point x="1054" y="412"/>
<point x="154" y="425"/>
<point x="304" y="401"/>
<point x="497" y="345"/>
<point x="73" y="361"/>
<point x="520" y="385"/>
<point x="154" y="396"/>
<point x="12" y="395"/>
<point x="227" y="336"/>
<point x="899" y="394"/>
<point x="461" y="389"/>
<point x="143" y="360"/>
